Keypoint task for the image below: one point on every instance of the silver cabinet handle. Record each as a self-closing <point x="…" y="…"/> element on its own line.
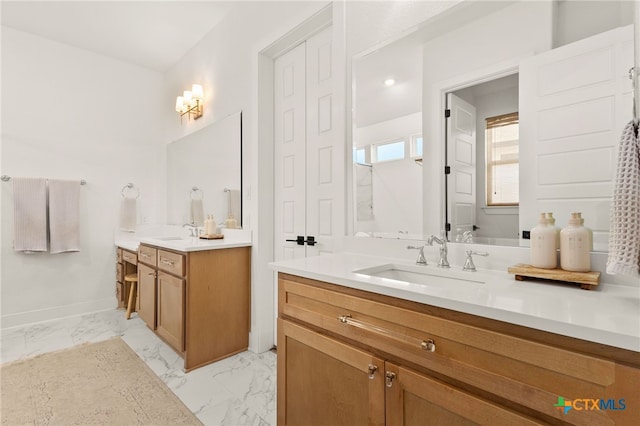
<point x="166" y="262"/>
<point x="427" y="344"/>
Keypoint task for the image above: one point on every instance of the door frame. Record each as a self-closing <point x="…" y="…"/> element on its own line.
<point x="264" y="279"/>
<point x="435" y="182"/>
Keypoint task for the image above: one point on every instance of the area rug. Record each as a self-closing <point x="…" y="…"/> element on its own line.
<point x="103" y="383"/>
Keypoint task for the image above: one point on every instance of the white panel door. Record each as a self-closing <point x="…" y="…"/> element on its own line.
<point x="325" y="180"/>
<point x="574" y="103"/>
<point x="290" y="153"/>
<point x="461" y="158"/>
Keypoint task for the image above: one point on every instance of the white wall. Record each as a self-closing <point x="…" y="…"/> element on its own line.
<point x="225" y="62"/>
<point x="397" y="185"/>
<point x="67" y="113"/>
<point x="520" y="29"/>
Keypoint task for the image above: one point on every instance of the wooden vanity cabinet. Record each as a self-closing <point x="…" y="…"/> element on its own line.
<point x="198" y="302"/>
<point x="147" y="290"/>
<point x="171" y="310"/>
<point x="126" y="263"/>
<point x="438" y="367"/>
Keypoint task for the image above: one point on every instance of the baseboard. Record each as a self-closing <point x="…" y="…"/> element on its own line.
<point x="58" y="312"/>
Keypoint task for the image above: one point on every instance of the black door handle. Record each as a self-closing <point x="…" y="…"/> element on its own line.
<point x="300" y="240"/>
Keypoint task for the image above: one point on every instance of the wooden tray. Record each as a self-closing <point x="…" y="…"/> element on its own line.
<point x="587" y="280"/>
<point x="212" y="236"/>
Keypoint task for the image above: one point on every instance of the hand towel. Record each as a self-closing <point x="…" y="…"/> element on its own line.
<point x="30" y="214"/>
<point x="197" y="211"/>
<point x="624" y="236"/>
<point x="64" y="216"/>
<point x="128" y="214"/>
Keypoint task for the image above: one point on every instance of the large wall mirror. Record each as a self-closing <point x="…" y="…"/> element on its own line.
<point x="206" y="165"/>
<point x="488" y="114"/>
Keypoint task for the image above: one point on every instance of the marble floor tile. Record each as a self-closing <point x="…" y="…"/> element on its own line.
<point x="239" y="390"/>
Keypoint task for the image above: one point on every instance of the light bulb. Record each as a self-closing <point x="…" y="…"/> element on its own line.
<point x="179" y="103"/>
<point x="197" y="92"/>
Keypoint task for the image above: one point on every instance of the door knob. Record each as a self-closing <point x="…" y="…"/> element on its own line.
<point x="301" y="241"/>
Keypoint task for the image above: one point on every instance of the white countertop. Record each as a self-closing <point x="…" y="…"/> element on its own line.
<point x="608" y="314"/>
<point x="173" y="238"/>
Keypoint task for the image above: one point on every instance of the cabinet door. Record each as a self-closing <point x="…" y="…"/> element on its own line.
<point x="171" y="297"/>
<point x="325" y="382"/>
<point x="416" y="399"/>
<point x="146" y="300"/>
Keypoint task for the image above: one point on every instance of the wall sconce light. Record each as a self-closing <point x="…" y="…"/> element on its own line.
<point x="191" y="102"/>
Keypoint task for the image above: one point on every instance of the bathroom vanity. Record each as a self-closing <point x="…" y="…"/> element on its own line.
<point x="457" y="348"/>
<point x="195" y="295"/>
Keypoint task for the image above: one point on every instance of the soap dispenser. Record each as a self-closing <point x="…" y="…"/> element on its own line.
<point x="544" y="245"/>
<point x="210" y="225"/>
<point x="552" y="223"/>
<point x="231" y="222"/>
<point x="575" y="246"/>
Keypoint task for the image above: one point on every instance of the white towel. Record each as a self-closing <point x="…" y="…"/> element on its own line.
<point x="64" y="216"/>
<point x="30" y="214"/>
<point x="197" y="211"/>
<point x="128" y="214"/>
<point x="624" y="237"/>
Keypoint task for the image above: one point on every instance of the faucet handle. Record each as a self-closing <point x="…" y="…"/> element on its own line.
<point x="421" y="259"/>
<point x="468" y="263"/>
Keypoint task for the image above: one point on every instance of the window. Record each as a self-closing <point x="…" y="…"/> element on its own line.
<point x="502" y="160"/>
<point x="359" y="155"/>
<point x="388" y="151"/>
<point x="416" y="146"/>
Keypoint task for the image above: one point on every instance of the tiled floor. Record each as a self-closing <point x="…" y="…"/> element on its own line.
<point x="239" y="390"/>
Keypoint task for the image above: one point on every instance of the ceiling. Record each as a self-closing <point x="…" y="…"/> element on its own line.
<point x="151" y="34"/>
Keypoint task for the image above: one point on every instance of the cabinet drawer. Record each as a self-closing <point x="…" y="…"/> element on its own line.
<point x="147" y="255"/>
<point x="530" y="373"/>
<point x="129" y="256"/>
<point x="171" y="262"/>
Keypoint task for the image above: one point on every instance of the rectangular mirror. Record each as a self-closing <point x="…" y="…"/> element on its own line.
<point x="209" y="160"/>
<point x="482" y="61"/>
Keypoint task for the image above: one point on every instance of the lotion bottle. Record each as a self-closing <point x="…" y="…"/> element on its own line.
<point x="588" y="230"/>
<point x="552" y="223"/>
<point x="543" y="245"/>
<point x="575" y="246"/>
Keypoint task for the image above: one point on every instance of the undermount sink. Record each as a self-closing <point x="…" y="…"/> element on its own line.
<point x="416" y="274"/>
<point x="174" y="238"/>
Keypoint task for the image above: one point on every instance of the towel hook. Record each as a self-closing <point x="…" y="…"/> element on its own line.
<point x="196" y="190"/>
<point x="129" y="187"/>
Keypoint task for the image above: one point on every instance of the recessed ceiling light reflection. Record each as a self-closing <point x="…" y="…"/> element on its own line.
<point x="389" y="82"/>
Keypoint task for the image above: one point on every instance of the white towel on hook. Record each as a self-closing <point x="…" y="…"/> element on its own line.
<point x="64" y="215"/>
<point x="197" y="211"/>
<point x="624" y="236"/>
<point x="128" y="214"/>
<point x="30" y="214"/>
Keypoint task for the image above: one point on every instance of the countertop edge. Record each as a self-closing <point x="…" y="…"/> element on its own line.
<point x="564" y="328"/>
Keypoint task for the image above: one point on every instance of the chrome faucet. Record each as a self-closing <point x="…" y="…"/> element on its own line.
<point x="442" y="262"/>
<point x="468" y="264"/>
<point x="467" y="237"/>
<point x="421" y="259"/>
<point x="193" y="228"/>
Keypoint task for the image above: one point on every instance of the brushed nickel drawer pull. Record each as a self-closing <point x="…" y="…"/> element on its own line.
<point x="144" y="255"/>
<point x="428" y="344"/>
<point x="166" y="262"/>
